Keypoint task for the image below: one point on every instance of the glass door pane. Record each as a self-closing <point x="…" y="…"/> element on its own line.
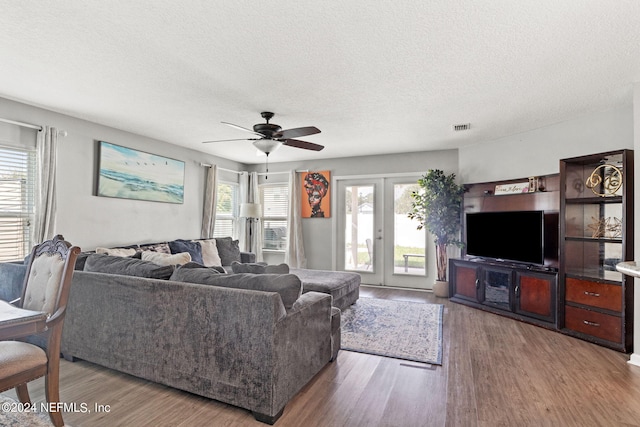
<point x="409" y="242"/>
<point x="359" y="226"/>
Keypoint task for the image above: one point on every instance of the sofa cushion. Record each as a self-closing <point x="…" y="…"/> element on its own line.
<point x="160" y="258"/>
<point x="193" y="248"/>
<point x="220" y="269"/>
<point x="82" y="258"/>
<point x="287" y="285"/>
<point x="250" y="267"/>
<point x="228" y="250"/>
<point x="194" y="275"/>
<point x="210" y="255"/>
<point x="100" y="263"/>
<point x="277" y="269"/>
<point x="257" y="268"/>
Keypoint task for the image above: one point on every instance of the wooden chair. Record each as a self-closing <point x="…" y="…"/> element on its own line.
<point x="46" y="288"/>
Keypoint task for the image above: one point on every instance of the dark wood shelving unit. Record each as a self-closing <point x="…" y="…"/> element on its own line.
<point x="596" y="232"/>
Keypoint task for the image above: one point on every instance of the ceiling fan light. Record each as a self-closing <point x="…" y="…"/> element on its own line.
<point x="267" y="145"/>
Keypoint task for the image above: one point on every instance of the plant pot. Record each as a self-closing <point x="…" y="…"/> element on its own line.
<point x="441" y="289"/>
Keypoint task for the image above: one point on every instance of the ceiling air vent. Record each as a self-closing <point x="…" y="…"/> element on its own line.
<point x="463" y="126"/>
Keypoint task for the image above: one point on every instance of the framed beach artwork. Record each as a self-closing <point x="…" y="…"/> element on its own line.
<point x="131" y="174"/>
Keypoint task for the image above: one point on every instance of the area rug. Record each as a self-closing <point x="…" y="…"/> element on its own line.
<point x="399" y="329"/>
<point x="11" y="416"/>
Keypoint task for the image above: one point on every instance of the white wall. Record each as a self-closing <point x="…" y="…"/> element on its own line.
<point x="89" y="221"/>
<point x="635" y="357"/>
<point x="538" y="152"/>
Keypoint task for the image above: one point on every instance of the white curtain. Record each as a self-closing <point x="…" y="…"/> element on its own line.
<point x="294" y="254"/>
<point x="45" y="203"/>
<point x="256" y="231"/>
<point x="209" y="209"/>
<point x="240" y="231"/>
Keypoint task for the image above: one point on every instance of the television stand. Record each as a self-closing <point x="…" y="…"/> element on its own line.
<point x="520" y="291"/>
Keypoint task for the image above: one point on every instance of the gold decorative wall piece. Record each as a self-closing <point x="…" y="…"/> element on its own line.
<point x="611" y="183"/>
<point x="605" y="227"/>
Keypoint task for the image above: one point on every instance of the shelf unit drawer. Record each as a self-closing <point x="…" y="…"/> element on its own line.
<point x="601" y="295"/>
<point x="600" y="325"/>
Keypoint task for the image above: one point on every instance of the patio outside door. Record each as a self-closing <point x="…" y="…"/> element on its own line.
<point x="375" y="238"/>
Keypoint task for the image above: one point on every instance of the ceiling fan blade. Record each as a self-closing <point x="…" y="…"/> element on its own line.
<point x="297" y="132"/>
<point x="225" y="140"/>
<point x="244" y="129"/>
<point x="302" y="144"/>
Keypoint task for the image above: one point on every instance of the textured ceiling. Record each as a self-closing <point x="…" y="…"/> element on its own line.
<point x="375" y="77"/>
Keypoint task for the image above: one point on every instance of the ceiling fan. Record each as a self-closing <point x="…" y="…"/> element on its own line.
<point x="271" y="136"/>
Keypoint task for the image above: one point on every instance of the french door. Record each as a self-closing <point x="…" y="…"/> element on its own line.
<point x="375" y="238"/>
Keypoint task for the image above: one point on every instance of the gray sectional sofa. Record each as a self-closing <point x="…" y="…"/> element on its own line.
<point x="343" y="286"/>
<point x="248" y="340"/>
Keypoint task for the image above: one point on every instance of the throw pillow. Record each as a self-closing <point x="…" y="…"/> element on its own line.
<point x="228" y="249"/>
<point x="100" y="263"/>
<point x="116" y="251"/>
<point x="166" y="259"/>
<point x="210" y="255"/>
<point x="193" y="248"/>
<point x="156" y="247"/>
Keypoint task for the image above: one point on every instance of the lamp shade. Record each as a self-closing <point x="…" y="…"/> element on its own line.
<point x="250" y="210"/>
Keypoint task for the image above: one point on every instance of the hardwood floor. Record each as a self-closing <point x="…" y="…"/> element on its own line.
<point x="496" y="372"/>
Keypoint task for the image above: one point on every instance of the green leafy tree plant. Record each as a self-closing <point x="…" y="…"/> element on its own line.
<point x="436" y="206"/>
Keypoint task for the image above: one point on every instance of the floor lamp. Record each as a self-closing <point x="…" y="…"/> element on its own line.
<point x="251" y="211"/>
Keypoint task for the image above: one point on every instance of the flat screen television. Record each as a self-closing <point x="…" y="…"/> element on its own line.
<point x="520" y="236"/>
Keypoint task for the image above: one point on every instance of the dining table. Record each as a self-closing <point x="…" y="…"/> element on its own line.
<point x="18" y="322"/>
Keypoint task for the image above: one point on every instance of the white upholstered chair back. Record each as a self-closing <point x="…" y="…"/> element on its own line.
<point x="44" y="282"/>
<point x="50" y="266"/>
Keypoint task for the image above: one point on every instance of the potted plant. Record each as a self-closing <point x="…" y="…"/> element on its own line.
<point x="436" y="206"/>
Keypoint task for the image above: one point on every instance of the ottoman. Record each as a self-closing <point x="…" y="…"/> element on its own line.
<point x="343" y="286"/>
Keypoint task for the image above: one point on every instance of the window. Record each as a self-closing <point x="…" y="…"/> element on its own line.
<point x="275" y="205"/>
<point x="17" y="181"/>
<point x="226" y="209"/>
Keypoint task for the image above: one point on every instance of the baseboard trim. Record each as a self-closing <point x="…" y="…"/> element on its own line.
<point x="396" y="287"/>
<point x="635" y="359"/>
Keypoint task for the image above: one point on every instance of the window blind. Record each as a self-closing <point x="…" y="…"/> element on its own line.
<point x="17" y="195"/>
<point x="226" y="208"/>
<point x="275" y="204"/>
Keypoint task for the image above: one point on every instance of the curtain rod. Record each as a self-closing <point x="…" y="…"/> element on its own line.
<point x="206" y="165"/>
<point x="24" y="125"/>
<point x="283" y="172"/>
